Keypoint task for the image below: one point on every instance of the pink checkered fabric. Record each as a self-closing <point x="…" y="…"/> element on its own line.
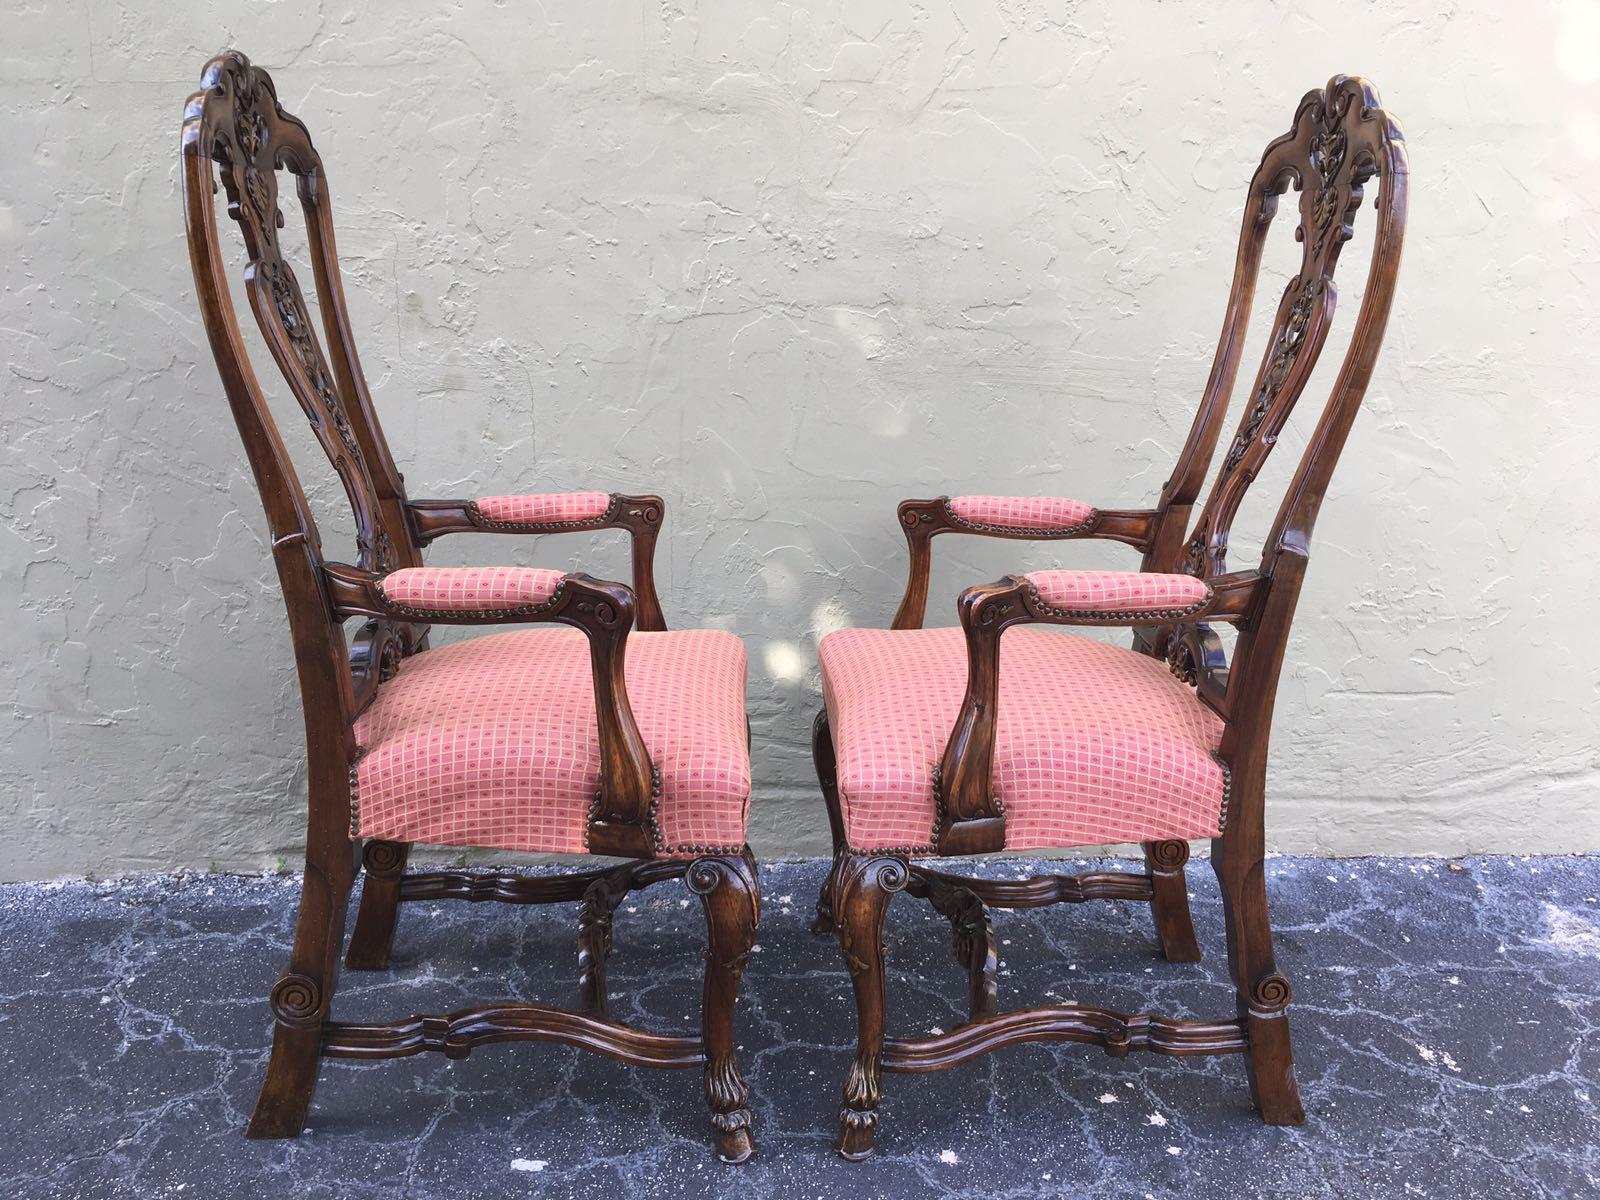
<point x="1107" y="593"/>
<point x="469" y="589"/>
<point x="1096" y="744"/>
<point x="1049" y="513"/>
<point x="493" y="742"/>
<point x="545" y="508"/>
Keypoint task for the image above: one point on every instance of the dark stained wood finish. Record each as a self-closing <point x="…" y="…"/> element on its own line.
<point x="237" y="134"/>
<point x="1169" y="899"/>
<point x="827" y="778"/>
<point x="862" y="887"/>
<point x="456" y="1034"/>
<point x="482" y="886"/>
<point x="1039" y="891"/>
<point x="731" y="897"/>
<point x="383" y="865"/>
<point x="972" y="936"/>
<point x="1340" y="142"/>
<point x="1117" y="1032"/>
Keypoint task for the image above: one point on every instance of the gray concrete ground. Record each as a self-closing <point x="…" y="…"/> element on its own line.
<point x="1445" y="1018"/>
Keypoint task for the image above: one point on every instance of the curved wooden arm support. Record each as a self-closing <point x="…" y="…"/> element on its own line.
<point x="971" y="817"/>
<point x="923" y="520"/>
<point x="623" y="818"/>
<point x="641" y="516"/>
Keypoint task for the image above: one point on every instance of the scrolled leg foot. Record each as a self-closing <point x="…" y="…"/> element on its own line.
<point x="862" y="888"/>
<point x="1264" y="994"/>
<point x="730" y="893"/>
<point x="300" y="1001"/>
<point x="1272" y="1082"/>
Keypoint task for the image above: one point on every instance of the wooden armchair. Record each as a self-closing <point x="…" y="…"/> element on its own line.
<point x="609" y="737"/>
<point x="961" y="741"/>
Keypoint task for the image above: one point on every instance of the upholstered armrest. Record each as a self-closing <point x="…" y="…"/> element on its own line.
<point x="1114" y="597"/>
<point x="1032" y="516"/>
<point x="536" y="512"/>
<point x="485" y="593"/>
<point x="495" y="595"/>
<point x="557" y="512"/>
<point x="1022" y="518"/>
<point x="1131" y="598"/>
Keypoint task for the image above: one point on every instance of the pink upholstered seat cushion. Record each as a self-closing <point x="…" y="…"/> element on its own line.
<point x="545" y="508"/>
<point x="493" y="742"/>
<point x="1096" y="744"/>
<point x="470" y="589"/>
<point x="1104" y="593"/>
<point x="1054" y="514"/>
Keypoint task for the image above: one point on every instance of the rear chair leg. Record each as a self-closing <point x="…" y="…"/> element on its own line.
<point x="301" y="999"/>
<point x="827" y="776"/>
<point x="1169" y="900"/>
<point x="861" y="888"/>
<point x="385" y="862"/>
<point x="1263" y="993"/>
<point x="730" y="891"/>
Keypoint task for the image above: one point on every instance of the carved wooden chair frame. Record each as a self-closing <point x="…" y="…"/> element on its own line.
<point x="1341" y="139"/>
<point x="235" y="128"/>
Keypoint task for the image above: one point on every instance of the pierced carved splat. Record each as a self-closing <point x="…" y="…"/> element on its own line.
<point x="250" y="137"/>
<point x="1340" y="140"/>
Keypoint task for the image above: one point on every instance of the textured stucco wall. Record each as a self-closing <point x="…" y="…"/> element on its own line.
<point x="787" y="265"/>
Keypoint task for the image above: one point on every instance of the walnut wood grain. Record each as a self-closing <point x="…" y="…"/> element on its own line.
<point x="1118" y="1032"/>
<point x="505" y="888"/>
<point x="456" y="1034"/>
<point x="1038" y="891"/>
<point x="972" y="937"/>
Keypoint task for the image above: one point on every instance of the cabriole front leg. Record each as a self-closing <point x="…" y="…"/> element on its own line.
<point x="861" y="889"/>
<point x="730" y="891"/>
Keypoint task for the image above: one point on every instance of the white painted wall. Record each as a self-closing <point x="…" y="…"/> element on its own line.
<point x="787" y="265"/>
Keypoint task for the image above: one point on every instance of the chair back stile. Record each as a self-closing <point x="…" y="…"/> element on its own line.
<point x="236" y="132"/>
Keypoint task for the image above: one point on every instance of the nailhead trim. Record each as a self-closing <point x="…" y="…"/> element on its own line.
<point x="1095" y="616"/>
<point x="1039" y="531"/>
<point x="651" y="822"/>
<point x="444" y="615"/>
<point x="475" y="515"/>
<point x="1227" y="793"/>
<point x="355" y="795"/>
<point x="932" y="846"/>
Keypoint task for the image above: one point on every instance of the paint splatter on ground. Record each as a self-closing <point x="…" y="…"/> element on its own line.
<point x="1445" y="1030"/>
